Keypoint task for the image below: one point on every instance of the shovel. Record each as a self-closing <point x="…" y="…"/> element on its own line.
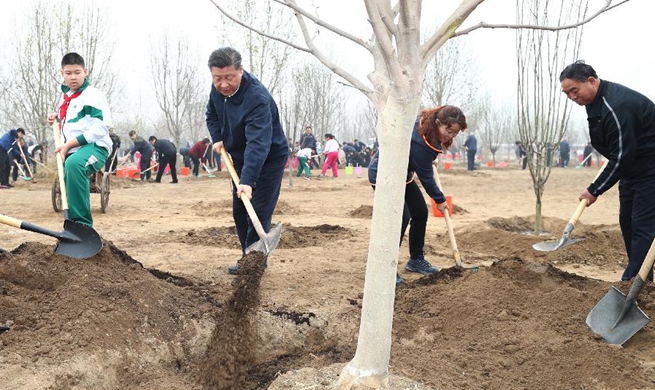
<point x="616" y="318"/>
<point x="77" y="240"/>
<point x="267" y="241"/>
<point x="566" y="240"/>
<point x="451" y="233"/>
<point x="27" y="165"/>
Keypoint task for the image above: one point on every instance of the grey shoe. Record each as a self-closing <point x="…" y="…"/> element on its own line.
<point x="420" y="265"/>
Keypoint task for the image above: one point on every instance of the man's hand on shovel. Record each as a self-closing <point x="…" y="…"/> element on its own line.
<point x="587" y="195"/>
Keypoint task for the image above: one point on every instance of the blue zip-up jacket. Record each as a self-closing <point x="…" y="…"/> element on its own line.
<point x="7" y="140"/>
<point x="249" y="125"/>
<point x="421" y="156"/>
<point x="621" y="128"/>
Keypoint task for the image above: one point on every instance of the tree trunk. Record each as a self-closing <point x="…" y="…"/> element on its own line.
<point x="370" y="365"/>
<point x="537" y="216"/>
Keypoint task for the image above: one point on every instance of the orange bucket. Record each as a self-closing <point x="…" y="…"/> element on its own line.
<point x="435" y="210"/>
<point x="184" y="171"/>
<point x="490" y="164"/>
<point x="447" y="165"/>
<point x="134" y="173"/>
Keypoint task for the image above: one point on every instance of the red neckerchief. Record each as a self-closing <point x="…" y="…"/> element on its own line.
<point x="64" y="107"/>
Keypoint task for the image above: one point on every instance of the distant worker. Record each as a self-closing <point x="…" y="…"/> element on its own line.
<point x="471" y="146"/>
<point x="166" y="155"/>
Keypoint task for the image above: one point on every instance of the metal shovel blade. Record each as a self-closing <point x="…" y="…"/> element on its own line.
<point x="603" y="316"/>
<point x="78" y="241"/>
<point x="549" y="246"/>
<point x="269" y="242"/>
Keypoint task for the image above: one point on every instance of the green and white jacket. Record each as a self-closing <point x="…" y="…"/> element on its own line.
<point x="88" y="118"/>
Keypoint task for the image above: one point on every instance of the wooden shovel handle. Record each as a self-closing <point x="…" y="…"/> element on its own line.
<point x="60" y="168"/>
<point x="648" y="262"/>
<point x="246" y="201"/>
<point x="10" y="221"/>
<point x="451" y="233"/>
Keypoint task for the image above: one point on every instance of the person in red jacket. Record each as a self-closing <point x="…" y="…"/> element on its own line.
<point x="197" y="154"/>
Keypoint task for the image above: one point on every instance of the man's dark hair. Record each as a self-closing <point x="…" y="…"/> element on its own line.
<point x="205" y="140"/>
<point x="578" y="71"/>
<point x="72" y="59"/>
<point x="152" y="138"/>
<point x="132" y="132"/>
<point x="224" y="57"/>
<point x="20" y="130"/>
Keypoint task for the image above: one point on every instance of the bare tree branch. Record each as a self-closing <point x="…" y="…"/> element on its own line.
<point x="320" y="22"/>
<point x="260" y="32"/>
<point x="388" y="16"/>
<point x="326" y="61"/>
<point x="608" y="6"/>
<point x="382" y="39"/>
<point x="447" y="29"/>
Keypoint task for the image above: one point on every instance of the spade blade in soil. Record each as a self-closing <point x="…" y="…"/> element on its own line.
<point x="269" y="242"/>
<point x="603" y="316"/>
<point x="78" y="241"/>
<point x="549" y="246"/>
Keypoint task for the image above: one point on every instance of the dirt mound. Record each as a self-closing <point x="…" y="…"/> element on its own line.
<point x="304" y="236"/>
<point x="362" y="211"/>
<point x="292" y="236"/>
<point x="602" y="245"/>
<point x="104" y="322"/>
<point x="459" y="210"/>
<point x="514" y="325"/>
<point x="284" y="208"/>
<point x="223" y="237"/>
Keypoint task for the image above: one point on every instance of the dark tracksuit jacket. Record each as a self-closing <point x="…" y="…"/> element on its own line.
<point x="166" y="154"/>
<point x="7" y="142"/>
<point x="248" y="124"/>
<point x="142" y="146"/>
<point x="622" y="128"/>
<point x="421" y="156"/>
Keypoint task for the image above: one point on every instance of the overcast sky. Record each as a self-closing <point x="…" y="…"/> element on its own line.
<point x="617" y="44"/>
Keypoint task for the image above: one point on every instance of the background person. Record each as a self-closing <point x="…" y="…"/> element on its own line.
<point x="622" y="128"/>
<point x="145" y="149"/>
<point x="331" y="153"/>
<point x="7" y="142"/>
<point x="166" y="155"/>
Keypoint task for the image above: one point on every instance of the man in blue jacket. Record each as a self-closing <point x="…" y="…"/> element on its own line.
<point x="471" y="146"/>
<point x="7" y="142"/>
<point x="243" y="118"/>
<point x="621" y="128"/>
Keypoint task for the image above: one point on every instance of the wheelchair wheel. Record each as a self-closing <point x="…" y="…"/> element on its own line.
<point x="104" y="192"/>
<point x="56" y="195"/>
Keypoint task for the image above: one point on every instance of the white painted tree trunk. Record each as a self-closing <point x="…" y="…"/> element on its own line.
<point x="370" y="365"/>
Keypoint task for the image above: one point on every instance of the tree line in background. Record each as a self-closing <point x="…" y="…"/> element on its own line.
<point x="307" y="92"/>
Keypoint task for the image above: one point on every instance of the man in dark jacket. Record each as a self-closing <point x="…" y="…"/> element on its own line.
<point x="564" y="153"/>
<point x="142" y="146"/>
<point x="7" y="142"/>
<point x="166" y="155"/>
<point x="307" y="140"/>
<point x="471" y="146"/>
<point x="243" y="118"/>
<point x="621" y="128"/>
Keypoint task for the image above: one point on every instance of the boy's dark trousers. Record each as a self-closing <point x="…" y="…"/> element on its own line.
<point x="264" y="199"/>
